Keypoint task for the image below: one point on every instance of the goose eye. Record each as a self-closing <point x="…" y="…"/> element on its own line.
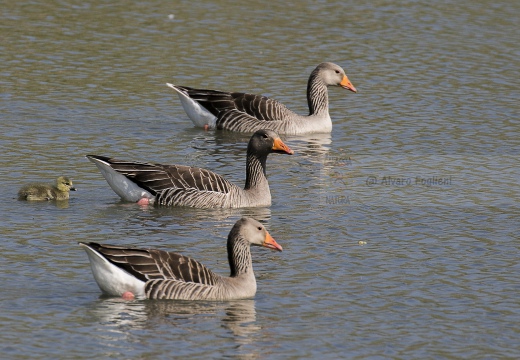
<point x="259" y="228"/>
<point x="265" y="136"/>
<point x="337" y="71"/>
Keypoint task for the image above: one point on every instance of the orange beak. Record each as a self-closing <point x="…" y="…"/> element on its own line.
<point x="346" y="84"/>
<point x="270" y="243"/>
<point x="280" y="146"/>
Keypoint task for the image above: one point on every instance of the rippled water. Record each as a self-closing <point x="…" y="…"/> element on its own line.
<point x="400" y="229"/>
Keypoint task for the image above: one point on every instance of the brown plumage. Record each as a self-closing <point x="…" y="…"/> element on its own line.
<point x="180" y="185"/>
<point x="241" y="112"/>
<point x="157" y="274"/>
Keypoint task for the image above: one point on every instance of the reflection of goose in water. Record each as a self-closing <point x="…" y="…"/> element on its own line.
<point x="238" y="317"/>
<point x="190" y="223"/>
<point x="241" y="320"/>
<point x="312" y="144"/>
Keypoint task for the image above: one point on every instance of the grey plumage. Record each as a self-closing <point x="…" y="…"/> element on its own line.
<point x="244" y="112"/>
<point x="156" y="274"/>
<point x="180" y="185"/>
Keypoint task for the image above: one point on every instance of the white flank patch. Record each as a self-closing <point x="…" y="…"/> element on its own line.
<point x="111" y="279"/>
<point x="124" y="187"/>
<point x="197" y="113"/>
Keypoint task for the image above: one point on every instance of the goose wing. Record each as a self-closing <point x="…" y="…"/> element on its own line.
<point x="158" y="178"/>
<point x="151" y="264"/>
<point x="248" y="106"/>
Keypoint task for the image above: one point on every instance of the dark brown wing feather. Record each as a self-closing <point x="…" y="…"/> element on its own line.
<point x="257" y="107"/>
<point x="151" y="264"/>
<point x="156" y="177"/>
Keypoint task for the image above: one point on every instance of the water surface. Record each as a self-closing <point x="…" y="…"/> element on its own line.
<point x="400" y="228"/>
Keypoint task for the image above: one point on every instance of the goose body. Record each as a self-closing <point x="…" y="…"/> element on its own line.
<point x="180" y="185"/>
<point x="243" y="112"/>
<point x="157" y="274"/>
<point x="44" y="192"/>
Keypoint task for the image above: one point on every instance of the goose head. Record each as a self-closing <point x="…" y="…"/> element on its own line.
<point x="64" y="184"/>
<point x="334" y="75"/>
<point x="265" y="141"/>
<point x="255" y="233"/>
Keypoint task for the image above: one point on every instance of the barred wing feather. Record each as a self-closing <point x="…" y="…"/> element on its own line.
<point x="157" y="178"/>
<point x="248" y="106"/>
<point x="150" y="264"/>
<point x="261" y="107"/>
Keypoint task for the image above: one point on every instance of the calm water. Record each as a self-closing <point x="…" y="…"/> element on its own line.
<point x="421" y="168"/>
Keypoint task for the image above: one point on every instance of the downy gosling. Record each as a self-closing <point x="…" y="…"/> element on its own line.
<point x="45" y="192"/>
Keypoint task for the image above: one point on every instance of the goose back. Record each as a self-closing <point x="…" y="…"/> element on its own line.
<point x="170" y="185"/>
<point x="157" y="177"/>
<point x="150" y="264"/>
<point x="258" y="107"/>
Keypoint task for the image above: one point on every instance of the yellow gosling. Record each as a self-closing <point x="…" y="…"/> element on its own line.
<point x="44" y="192"/>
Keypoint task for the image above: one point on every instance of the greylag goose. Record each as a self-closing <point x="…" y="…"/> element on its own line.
<point x="179" y="185"/>
<point x="42" y="192"/>
<point x="248" y="112"/>
<point x="156" y="274"/>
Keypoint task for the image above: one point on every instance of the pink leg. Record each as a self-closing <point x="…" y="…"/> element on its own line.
<point x="128" y="295"/>
<point x="144" y="201"/>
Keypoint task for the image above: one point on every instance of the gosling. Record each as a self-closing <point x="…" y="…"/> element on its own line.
<point x="45" y="192"/>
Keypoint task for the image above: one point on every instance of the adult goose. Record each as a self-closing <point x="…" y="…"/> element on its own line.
<point x="241" y="112"/>
<point x="43" y="192"/>
<point x="180" y="185"/>
<point x="156" y="274"/>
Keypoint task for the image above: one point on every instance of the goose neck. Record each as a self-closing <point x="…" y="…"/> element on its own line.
<point x="317" y="95"/>
<point x="239" y="255"/>
<point x="255" y="171"/>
